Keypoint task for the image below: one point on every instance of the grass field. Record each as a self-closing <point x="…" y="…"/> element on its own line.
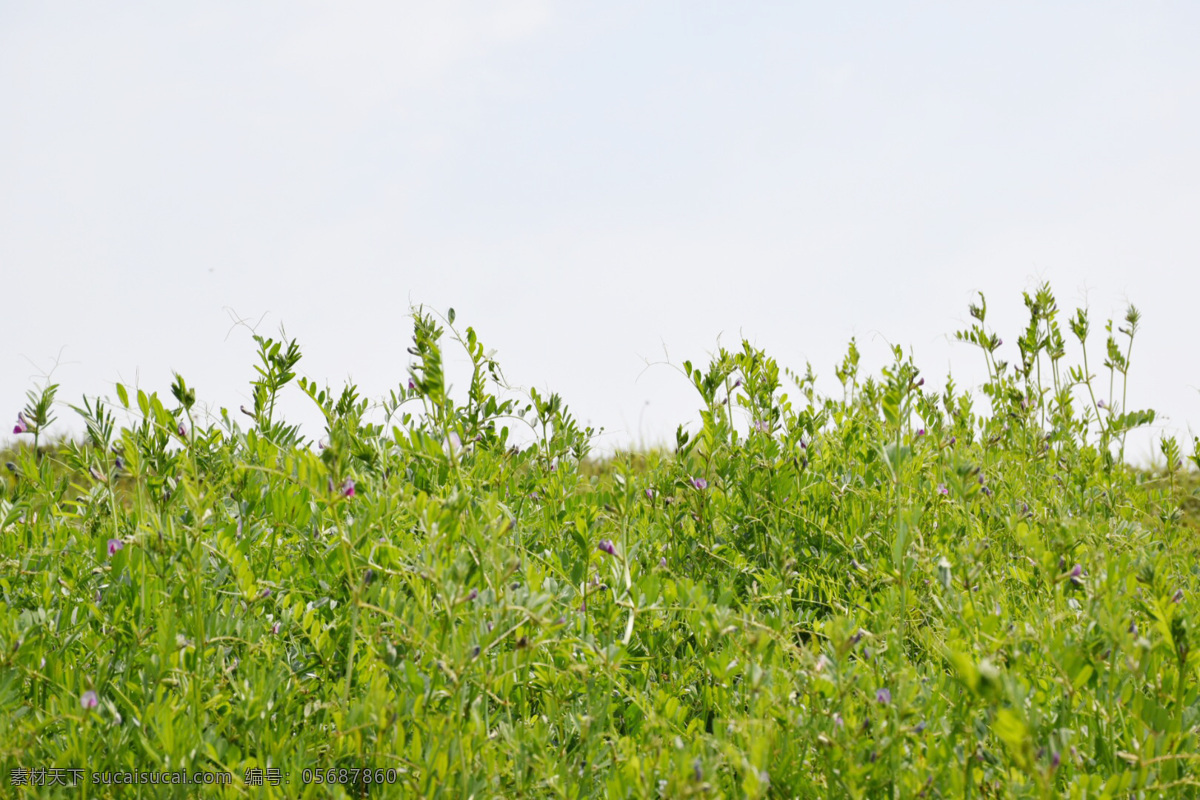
<point x="895" y="592"/>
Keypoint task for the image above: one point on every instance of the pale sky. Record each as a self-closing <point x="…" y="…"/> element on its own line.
<point x="592" y="186"/>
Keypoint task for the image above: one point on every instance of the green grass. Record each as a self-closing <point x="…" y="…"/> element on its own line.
<point x="897" y="592"/>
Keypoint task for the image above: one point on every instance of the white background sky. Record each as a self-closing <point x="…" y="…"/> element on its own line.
<point x="588" y="184"/>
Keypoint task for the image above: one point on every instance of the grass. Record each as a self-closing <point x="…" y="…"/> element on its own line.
<point x="898" y="592"/>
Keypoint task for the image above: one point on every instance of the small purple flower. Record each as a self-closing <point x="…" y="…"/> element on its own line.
<point x="921" y="432"/>
<point x="1076" y="575"/>
<point x="921" y="382"/>
<point x="857" y="637"/>
<point x="607" y="546"/>
<point x="264" y="594"/>
<point x="803" y="444"/>
<point x="883" y="697"/>
<point x="1101" y="403"/>
<point x="96" y="474"/>
<point x="474" y="593"/>
<point x="662" y="562"/>
<point x="119" y="464"/>
<point x="22" y="425"/>
<point x="987" y="491"/>
<point x="1178" y="596"/>
<point x="182" y="431"/>
<point x="837" y="720"/>
<point x="412" y="385"/>
<point x="560" y="621"/>
<point x="1055" y="760"/>
<point x="348" y="487"/>
<point x="650" y="494"/>
<point x="114" y="545"/>
<point x="762" y="426"/>
<point x="698" y="769"/>
<point x="953" y="441"/>
<point x="275" y="628"/>
<point x="1133" y="628"/>
<point x="920" y="727"/>
<point x="699" y="483"/>
<point x="89" y="700"/>
<point x="942" y="489"/>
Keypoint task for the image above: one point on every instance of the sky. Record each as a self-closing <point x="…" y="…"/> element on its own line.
<point x="602" y="190"/>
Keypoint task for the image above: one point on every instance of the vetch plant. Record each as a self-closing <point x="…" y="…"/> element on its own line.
<point x="896" y="591"/>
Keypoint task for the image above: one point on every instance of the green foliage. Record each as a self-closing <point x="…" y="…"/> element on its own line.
<point x="891" y="593"/>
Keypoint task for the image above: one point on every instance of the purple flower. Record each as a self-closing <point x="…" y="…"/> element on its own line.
<point x="1076" y="575"/>
<point x="837" y="719"/>
<point x="472" y="595"/>
<point x="762" y="426"/>
<point x="22" y="425"/>
<point x="89" y="700"/>
<point x="275" y="628"/>
<point x="1178" y="596"/>
<point x="1133" y="628"/>
<point x="921" y="432"/>
<point x="699" y="483"/>
<point x="883" y="696"/>
<point x="1055" y="760"/>
<point x="113" y="546"/>
<point x="412" y="385"/>
<point x="920" y="727"/>
<point x="348" y="487"/>
<point x="650" y="494"/>
<point x="1101" y="403"/>
<point x="987" y="491"/>
<point x="182" y="431"/>
<point x="662" y="562"/>
<point x="265" y="593"/>
<point x="119" y="464"/>
<point x="607" y="546"/>
<point x="96" y="474"/>
<point x="857" y="637"/>
<point x="942" y="489"/>
<point x="953" y="440"/>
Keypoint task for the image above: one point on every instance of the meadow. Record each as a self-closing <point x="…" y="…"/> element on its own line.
<point x="895" y="591"/>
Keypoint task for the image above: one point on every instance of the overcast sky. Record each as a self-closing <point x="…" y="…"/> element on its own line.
<point x="592" y="186"/>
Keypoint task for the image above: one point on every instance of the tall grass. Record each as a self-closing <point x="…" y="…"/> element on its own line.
<point x="893" y="593"/>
